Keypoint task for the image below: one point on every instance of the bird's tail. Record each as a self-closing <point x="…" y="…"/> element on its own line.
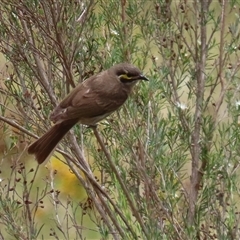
<point x="45" y="144"/>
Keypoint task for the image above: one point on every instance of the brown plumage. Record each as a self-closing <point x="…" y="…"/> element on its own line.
<point x="88" y="103"/>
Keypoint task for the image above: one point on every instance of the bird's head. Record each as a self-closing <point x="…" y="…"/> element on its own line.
<point x="128" y="74"/>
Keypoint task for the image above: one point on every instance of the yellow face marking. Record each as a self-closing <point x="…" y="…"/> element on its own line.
<point x="125" y="76"/>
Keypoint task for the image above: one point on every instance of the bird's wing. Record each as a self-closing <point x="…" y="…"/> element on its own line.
<point x="86" y="101"/>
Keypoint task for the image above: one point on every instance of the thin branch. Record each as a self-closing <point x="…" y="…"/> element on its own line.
<point x="17" y="126"/>
<point x="117" y="174"/>
<point x="196" y="134"/>
<point x="83" y="166"/>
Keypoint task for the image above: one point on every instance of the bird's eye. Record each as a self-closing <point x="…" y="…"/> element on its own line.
<point x="129" y="75"/>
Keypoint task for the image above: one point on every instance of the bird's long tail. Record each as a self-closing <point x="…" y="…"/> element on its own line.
<point x="45" y="144"/>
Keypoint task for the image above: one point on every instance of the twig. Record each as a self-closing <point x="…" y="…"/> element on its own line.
<point x="196" y="134"/>
<point x="16" y="125"/>
<point x="125" y="190"/>
<point x="98" y="189"/>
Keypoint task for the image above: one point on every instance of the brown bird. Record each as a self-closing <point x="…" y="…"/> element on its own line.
<point x="88" y="103"/>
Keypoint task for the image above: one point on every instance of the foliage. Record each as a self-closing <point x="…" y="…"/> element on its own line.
<point x="163" y="167"/>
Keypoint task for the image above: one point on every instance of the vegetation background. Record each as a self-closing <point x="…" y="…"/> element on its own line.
<point x="166" y="165"/>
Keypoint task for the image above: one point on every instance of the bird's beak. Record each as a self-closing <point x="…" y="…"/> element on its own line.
<point x="142" y="77"/>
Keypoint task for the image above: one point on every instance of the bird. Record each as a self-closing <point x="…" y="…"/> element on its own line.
<point x="88" y="103"/>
